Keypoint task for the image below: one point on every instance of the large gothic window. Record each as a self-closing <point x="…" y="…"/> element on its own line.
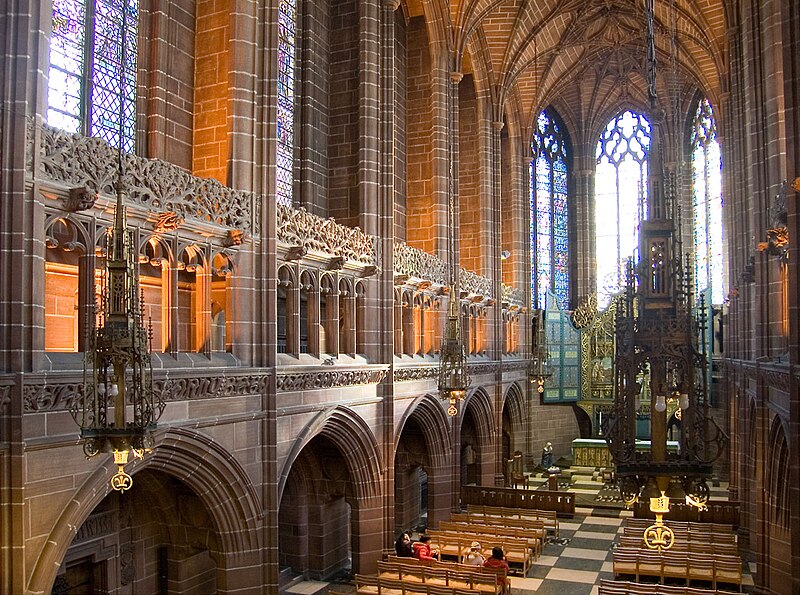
<point x="549" y="216"/>
<point x="620" y="197"/>
<point x="287" y="51"/>
<point x="86" y="61"/>
<point x="707" y="203"/>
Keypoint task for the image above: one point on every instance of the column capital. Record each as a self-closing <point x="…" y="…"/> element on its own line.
<point x="392" y="5"/>
<point x="456" y="76"/>
<point x="498" y="125"/>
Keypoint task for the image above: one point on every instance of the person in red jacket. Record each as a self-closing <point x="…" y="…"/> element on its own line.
<point x="498" y="560"/>
<point x="422" y="549"/>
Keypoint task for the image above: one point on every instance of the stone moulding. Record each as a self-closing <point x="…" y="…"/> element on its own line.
<point x="328" y="379"/>
<point x="41" y="394"/>
<point x="306" y="232"/>
<point x="415" y="373"/>
<point x="513" y="296"/>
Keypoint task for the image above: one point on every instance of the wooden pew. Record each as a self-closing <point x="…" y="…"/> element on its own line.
<point x="376" y="585"/>
<point x="549" y="517"/>
<point x="491" y="532"/>
<point x="452" y="544"/>
<point x="713" y="568"/>
<point x="609" y="587"/>
<point x="448" y="575"/>
<point x="500" y="576"/>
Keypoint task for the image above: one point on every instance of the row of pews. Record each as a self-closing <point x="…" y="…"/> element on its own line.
<point x="702" y="552"/>
<point x="397" y="576"/>
<point x="609" y="587"/>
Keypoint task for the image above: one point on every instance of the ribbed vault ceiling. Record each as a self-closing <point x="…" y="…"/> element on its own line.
<point x="591" y="53"/>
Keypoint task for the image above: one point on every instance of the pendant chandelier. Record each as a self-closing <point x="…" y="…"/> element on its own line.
<point x="539" y="366"/>
<point x="118" y="410"/>
<point x="661" y="357"/>
<point x="453" y="377"/>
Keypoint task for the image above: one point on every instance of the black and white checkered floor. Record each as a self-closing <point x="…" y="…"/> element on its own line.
<point x="572" y="564"/>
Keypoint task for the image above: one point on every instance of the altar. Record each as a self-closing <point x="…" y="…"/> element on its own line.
<point x="593" y="452"/>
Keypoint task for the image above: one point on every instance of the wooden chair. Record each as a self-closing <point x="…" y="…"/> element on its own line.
<point x="676" y="565"/>
<point x="728" y="569"/>
<point x="700" y="569"/>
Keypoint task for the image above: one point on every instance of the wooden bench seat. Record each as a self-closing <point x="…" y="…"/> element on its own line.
<point x="377" y="585"/>
<point x="548" y="516"/>
<point x="498" y="575"/>
<point x="609" y="587"/>
<point x="706" y="568"/>
<point x="532" y="536"/>
<point x="452" y="544"/>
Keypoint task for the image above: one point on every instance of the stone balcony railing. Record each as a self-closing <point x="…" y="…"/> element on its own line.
<point x="83" y="167"/>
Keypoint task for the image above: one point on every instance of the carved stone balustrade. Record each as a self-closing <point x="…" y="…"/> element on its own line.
<point x="302" y="234"/>
<point x="513" y="297"/>
<point x="415" y="265"/>
<point x="75" y="161"/>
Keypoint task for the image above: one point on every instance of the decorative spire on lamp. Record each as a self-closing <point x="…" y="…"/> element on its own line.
<point x="453" y="377"/>
<point x="118" y="410"/>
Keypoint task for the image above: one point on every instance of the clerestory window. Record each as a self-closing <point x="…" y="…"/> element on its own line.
<point x="620" y="198"/>
<point x="549" y="211"/>
<point x="85" y="86"/>
<point x="287" y="55"/>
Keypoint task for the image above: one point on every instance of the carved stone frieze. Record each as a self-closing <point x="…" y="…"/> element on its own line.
<point x="412" y="262"/>
<point x="167" y="221"/>
<point x="208" y="387"/>
<point x="328" y="379"/>
<point x="515" y="365"/>
<point x="415" y="373"/>
<point x="298" y="227"/>
<point x="487" y="368"/>
<point x="54" y="396"/>
<point x="90" y="163"/>
<point x="96" y="526"/>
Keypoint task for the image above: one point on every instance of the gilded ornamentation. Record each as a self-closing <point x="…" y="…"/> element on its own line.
<point x="328" y="379"/>
<point x="298" y="227"/>
<point x="659" y="536"/>
<point x="90" y="163"/>
<point x="585" y="312"/>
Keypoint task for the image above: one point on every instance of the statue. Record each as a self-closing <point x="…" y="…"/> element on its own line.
<point x="547" y="456"/>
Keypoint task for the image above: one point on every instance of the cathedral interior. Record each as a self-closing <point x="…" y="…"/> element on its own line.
<point x="280" y="279"/>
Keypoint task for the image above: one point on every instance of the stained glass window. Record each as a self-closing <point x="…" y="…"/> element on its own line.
<point x="86" y="60"/>
<point x="707" y="202"/>
<point x="620" y="197"/>
<point x="549" y="216"/>
<point x="287" y="30"/>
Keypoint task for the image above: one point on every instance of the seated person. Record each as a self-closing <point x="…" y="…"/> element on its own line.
<point x="498" y="560"/>
<point x="422" y="549"/>
<point x="402" y="546"/>
<point x="473" y="555"/>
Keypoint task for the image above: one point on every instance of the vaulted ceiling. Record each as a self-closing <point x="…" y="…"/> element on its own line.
<point x="589" y="54"/>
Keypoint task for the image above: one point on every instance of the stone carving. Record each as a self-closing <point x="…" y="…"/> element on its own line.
<point x="127" y="568"/>
<point x="415" y="373"/>
<point x="156" y="185"/>
<point x="167" y="221"/>
<point x="209" y="387"/>
<point x="328" y="379"/>
<point x="487" y="368"/>
<point x="49" y="396"/>
<point x="81" y="198"/>
<point x="513" y="296"/>
<point x="474" y="284"/>
<point x="412" y="262"/>
<point x="96" y="526"/>
<point x="5" y="396"/>
<point x="235" y="237"/>
<point x="298" y="227"/>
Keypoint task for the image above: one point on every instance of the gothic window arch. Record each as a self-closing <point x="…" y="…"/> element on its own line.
<point x="287" y="64"/>
<point x="86" y="59"/>
<point x="707" y="202"/>
<point x="549" y="210"/>
<point x="620" y="197"/>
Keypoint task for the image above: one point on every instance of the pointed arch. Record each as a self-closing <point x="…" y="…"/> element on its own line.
<point x="427" y="411"/>
<point x="353" y="436"/>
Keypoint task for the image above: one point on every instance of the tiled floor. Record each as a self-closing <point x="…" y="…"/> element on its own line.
<point x="576" y="562"/>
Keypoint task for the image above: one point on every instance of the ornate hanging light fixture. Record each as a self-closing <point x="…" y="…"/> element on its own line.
<point x="453" y="377"/>
<point x="538" y="366"/>
<point x="660" y="356"/>
<point x="118" y="410"/>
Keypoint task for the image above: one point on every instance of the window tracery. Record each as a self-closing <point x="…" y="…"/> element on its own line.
<point x="549" y="211"/>
<point x="707" y="203"/>
<point x="620" y="197"/>
<point x="287" y="50"/>
<point x="86" y="59"/>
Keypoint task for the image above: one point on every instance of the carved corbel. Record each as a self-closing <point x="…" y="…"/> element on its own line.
<point x="81" y="198"/>
<point x="235" y="237"/>
<point x="335" y="263"/>
<point x="167" y="221"/>
<point x="296" y="252"/>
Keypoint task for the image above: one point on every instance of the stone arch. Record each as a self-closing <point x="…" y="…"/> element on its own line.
<point x="480" y="405"/>
<point x="428" y="412"/>
<point x="217" y="478"/>
<point x="478" y="418"/>
<point x="514" y="402"/>
<point x="356" y="441"/>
